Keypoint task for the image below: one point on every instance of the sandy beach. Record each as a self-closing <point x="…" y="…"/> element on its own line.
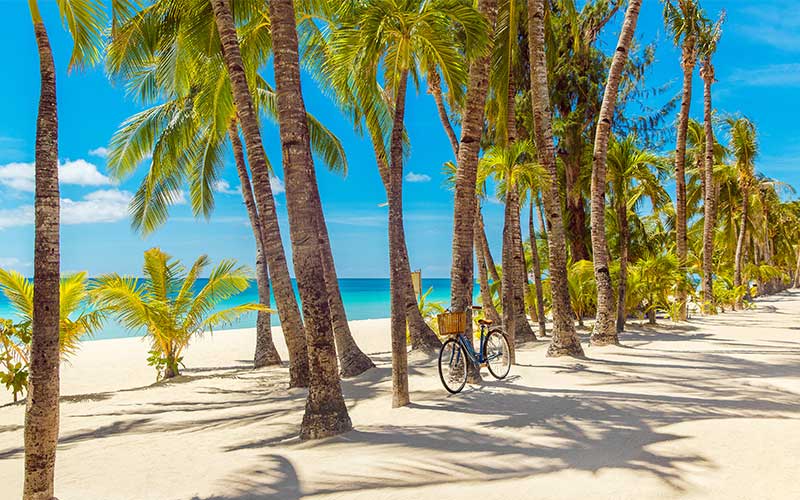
<point x="706" y="409"/>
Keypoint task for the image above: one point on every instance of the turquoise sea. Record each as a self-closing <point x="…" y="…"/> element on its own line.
<point x="364" y="298"/>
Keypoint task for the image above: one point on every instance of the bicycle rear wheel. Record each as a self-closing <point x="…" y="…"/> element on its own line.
<point x="497" y="354"/>
<point x="453" y="366"/>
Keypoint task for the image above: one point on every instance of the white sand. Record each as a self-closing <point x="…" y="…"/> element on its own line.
<point x="708" y="409"/>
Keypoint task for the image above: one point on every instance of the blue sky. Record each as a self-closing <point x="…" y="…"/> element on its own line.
<point x="758" y="69"/>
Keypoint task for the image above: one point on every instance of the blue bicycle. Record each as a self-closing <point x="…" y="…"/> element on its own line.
<point x="456" y="352"/>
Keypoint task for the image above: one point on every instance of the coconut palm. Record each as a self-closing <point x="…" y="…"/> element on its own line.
<point x="404" y="39"/>
<point x="708" y="46"/>
<point x="604" y="331"/>
<point x="684" y="21"/>
<point x="472" y="122"/>
<point x="168" y="306"/>
<point x="565" y="341"/>
<point x="85" y="22"/>
<point x="744" y="147"/>
<point x="510" y="165"/>
<point x="634" y="175"/>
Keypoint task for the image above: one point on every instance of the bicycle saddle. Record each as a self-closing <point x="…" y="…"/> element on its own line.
<point x="486" y="322"/>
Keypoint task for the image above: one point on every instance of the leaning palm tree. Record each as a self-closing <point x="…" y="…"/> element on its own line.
<point x="326" y="413"/>
<point x="684" y="21"/>
<point x="85" y="22"/>
<point x="744" y="146"/>
<point x="604" y="332"/>
<point x="404" y="39"/>
<point x="708" y="45"/>
<point x="167" y="305"/>
<point x="472" y="121"/>
<point x="565" y="341"/>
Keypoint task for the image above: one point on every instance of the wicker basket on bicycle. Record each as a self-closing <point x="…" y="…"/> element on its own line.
<point x="452" y="323"/>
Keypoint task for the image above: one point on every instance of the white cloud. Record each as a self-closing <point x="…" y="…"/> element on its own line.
<point x="100" y="152"/>
<point x="21" y="176"/>
<point x="13" y="263"/>
<point x="223" y="186"/>
<point x="414" y="177"/>
<point x="15" y="217"/>
<point x="774" y="75"/>
<point x="776" y="25"/>
<point x="108" y="205"/>
<point x="277" y="185"/>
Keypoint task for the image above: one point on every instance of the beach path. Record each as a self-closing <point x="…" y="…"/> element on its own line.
<point x="704" y="409"/>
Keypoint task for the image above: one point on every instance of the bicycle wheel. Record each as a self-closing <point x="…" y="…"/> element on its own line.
<point x="497" y="354"/>
<point x="453" y="366"/>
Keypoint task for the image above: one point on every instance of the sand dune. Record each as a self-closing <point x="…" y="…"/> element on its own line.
<point x="707" y="409"/>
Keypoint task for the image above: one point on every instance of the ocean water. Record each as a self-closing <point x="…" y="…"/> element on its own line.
<point x="364" y="298"/>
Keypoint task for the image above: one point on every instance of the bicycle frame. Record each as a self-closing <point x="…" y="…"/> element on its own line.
<point x="475" y="357"/>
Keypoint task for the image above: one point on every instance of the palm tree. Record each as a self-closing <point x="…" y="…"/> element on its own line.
<point x="565" y="341"/>
<point x="744" y="147"/>
<point x="685" y="21"/>
<point x="634" y="175"/>
<point x="709" y="39"/>
<point x="326" y="413"/>
<point x="510" y="167"/>
<point x="167" y="305"/>
<point x="472" y="120"/>
<point x="184" y="134"/>
<point x="604" y="331"/>
<point x="85" y="22"/>
<point x="76" y="320"/>
<point x="405" y="38"/>
<point x="531" y="180"/>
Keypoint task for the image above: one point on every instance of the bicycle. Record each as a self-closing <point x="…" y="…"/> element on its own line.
<point x="456" y="352"/>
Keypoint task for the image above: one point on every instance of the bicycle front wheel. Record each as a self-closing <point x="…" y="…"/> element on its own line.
<point x="497" y="355"/>
<point x="453" y="366"/>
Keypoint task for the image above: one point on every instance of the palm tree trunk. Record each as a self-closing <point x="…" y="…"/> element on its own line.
<point x="710" y="202"/>
<point x="510" y="314"/>
<point x="487" y="301"/>
<point x="565" y="341"/>
<point x="435" y="89"/>
<point x="289" y="314"/>
<point x="423" y="338"/>
<point x="624" y="237"/>
<point x="461" y="274"/>
<point x="400" y="395"/>
<point x="487" y="252"/>
<point x="576" y="213"/>
<point x="542" y="222"/>
<point x="516" y="273"/>
<point x="265" y="353"/>
<point x="687" y="63"/>
<point x="604" y="332"/>
<point x="326" y="413"/>
<point x="537" y="272"/>
<point x="41" y="411"/>
<point x="352" y="360"/>
<point x="740" y="249"/>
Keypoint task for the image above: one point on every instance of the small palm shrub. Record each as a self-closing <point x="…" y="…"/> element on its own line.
<point x="167" y="307"/>
<point x="77" y="320"/>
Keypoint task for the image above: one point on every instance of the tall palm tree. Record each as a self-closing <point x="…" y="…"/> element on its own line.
<point x="685" y="21"/>
<point x="565" y="341"/>
<point x="744" y="146"/>
<point x="166" y="305"/>
<point x="510" y="166"/>
<point x="709" y="39"/>
<point x="531" y="180"/>
<point x="604" y="331"/>
<point x="404" y="38"/>
<point x="472" y="120"/>
<point x="85" y="22"/>
<point x="634" y="174"/>
<point x="326" y="413"/>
